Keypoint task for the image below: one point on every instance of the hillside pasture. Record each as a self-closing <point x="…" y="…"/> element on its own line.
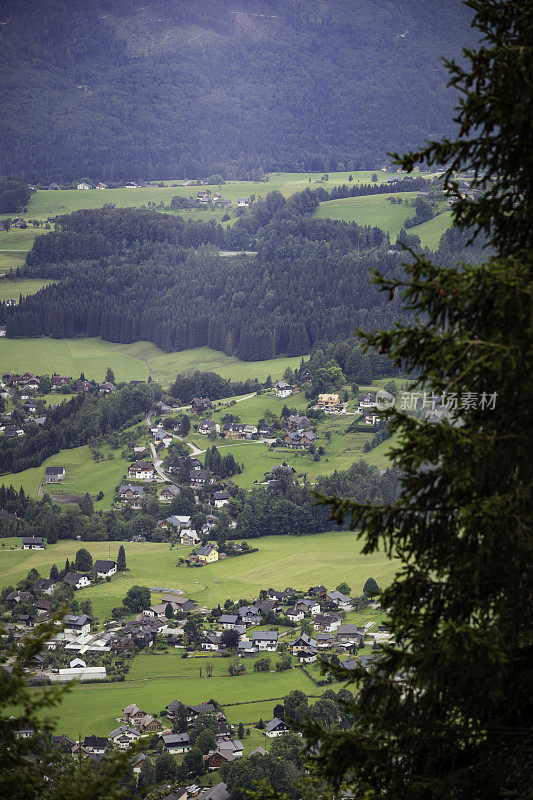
<point x="135" y="361"/>
<point x="83" y="474"/>
<point x="299" y="561"/>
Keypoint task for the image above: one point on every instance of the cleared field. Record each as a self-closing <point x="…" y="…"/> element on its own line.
<point x="299" y="561"/>
<point x="369" y="210"/>
<point x="21" y="286"/>
<point x="379" y="210"/>
<point x="430" y="232"/>
<point x="98" y="707"/>
<point x="135" y="361"/>
<point x="83" y="474"/>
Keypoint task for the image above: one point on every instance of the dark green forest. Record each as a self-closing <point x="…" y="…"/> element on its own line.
<point x="130" y="275"/>
<point x="116" y="89"/>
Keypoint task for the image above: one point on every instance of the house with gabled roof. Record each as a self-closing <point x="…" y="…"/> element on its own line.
<point x="265" y="640"/>
<point x="76" y="580"/>
<point x="141" y="471"/>
<point x="176" y="742"/>
<point x="123" y="736"/>
<point x="303" y="642"/>
<point x="133" y="495"/>
<point x="207" y="554"/>
<point x="169" y="493"/>
<point x="282" y="389"/>
<point x="104" y="569"/>
<point x="276" y="727"/>
<point x="33" y="543"/>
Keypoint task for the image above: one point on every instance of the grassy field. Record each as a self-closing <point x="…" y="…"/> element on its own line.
<point x="83" y="474"/>
<point x="430" y="232"/>
<point x="96" y="708"/>
<point x="299" y="561"/>
<point x="378" y="210"/>
<point x="135" y="361"/>
<point x="14" y="287"/>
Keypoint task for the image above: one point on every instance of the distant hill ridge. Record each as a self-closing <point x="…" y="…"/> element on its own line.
<point x="118" y="89"/>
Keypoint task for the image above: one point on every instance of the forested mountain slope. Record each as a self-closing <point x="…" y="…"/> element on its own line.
<point x="130" y="89"/>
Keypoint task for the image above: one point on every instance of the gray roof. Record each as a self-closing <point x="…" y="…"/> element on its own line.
<point x="218" y="792"/>
<point x="175" y="738"/>
<point x="265" y="635"/>
<point x="274" y="723"/>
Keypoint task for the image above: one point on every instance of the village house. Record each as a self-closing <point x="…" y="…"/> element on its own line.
<point x="3" y="330"/>
<point x="123" y="737"/>
<point x="95" y="744"/>
<point x="60" y="380"/>
<point x="219" y="499"/>
<point x="350" y="633"/>
<point x="83" y="186"/>
<point x="197" y="477"/>
<point x="326" y="623"/>
<point x="307" y="656"/>
<point x="169" y="493"/>
<point x="132" y="714"/>
<point x="299" y="440"/>
<point x="54" y="474"/>
<point x="141" y="471"/>
<point x="107" y="387"/>
<point x="76" y="580"/>
<point x="303" y="642"/>
<point x="297" y="423"/>
<point x="175" y="521"/>
<point x="339" y="599"/>
<point x="265" y="640"/>
<point x="104" y="569"/>
<point x="189" y="537"/>
<point x="212" y="641"/>
<point x="200" y="405"/>
<point x="162" y="437"/>
<point x="44" y="585"/>
<point x="207" y="554"/>
<point x="77" y="624"/>
<point x="249" y="615"/>
<point x="134" y="495"/>
<point x="207" y="426"/>
<point x="276" y="727"/>
<point x="282" y="389"/>
<point x="176" y="742"/>
<point x="330" y="403"/>
<point x="294" y="614"/>
<point x="233" y="430"/>
<point x="33" y="543"/>
<point x="309" y="606"/>
<point x="227" y="621"/>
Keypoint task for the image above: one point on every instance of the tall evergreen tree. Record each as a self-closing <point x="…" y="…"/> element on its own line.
<point x="447" y="714"/>
<point x="121" y="559"/>
<point x="54" y="573"/>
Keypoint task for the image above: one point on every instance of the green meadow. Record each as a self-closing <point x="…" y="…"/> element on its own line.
<point x="14" y="287"/>
<point x="83" y="474"/>
<point x="93" y="708"/>
<point x="378" y="210"/>
<point x="299" y="561"/>
<point x="134" y="361"/>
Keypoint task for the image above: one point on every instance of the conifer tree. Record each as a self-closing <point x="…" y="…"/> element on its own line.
<point x="54" y="573"/>
<point x="121" y="558"/>
<point x="447" y="713"/>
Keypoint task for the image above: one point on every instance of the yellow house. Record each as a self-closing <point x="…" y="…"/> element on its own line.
<point x="329" y="401"/>
<point x="207" y="554"/>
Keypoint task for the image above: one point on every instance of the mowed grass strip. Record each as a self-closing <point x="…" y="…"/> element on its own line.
<point x="281" y="561"/>
<point x="135" y="361"/>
